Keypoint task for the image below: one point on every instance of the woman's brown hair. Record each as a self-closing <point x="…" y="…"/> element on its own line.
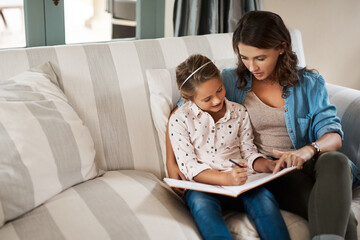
<point x="189" y="66"/>
<point x="266" y="30"/>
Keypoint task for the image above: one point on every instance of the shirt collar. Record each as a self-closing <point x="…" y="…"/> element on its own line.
<point x="229" y="113"/>
<point x="248" y="86"/>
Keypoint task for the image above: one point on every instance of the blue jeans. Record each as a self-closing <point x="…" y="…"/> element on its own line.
<point x="258" y="203"/>
<point x="355" y="174"/>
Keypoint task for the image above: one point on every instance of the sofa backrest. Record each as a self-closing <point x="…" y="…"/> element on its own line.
<point x="106" y="84"/>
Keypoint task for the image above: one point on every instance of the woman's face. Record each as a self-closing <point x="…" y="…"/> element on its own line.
<point x="260" y="62"/>
<point x="210" y="95"/>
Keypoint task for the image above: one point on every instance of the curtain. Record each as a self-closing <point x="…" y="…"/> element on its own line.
<point x="109" y="6"/>
<point x="198" y="17"/>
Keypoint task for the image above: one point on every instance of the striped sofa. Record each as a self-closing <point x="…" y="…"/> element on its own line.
<point x="106" y="86"/>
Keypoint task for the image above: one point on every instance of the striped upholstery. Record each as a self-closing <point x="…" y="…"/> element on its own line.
<point x="108" y="208"/>
<point x="44" y="146"/>
<point x="106" y="84"/>
<point x="347" y="102"/>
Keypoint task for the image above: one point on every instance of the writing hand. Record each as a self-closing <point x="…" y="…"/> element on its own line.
<point x="237" y="176"/>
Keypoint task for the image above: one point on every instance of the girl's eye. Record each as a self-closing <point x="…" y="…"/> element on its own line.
<point x="261" y="59"/>
<point x="207" y="99"/>
<point x="243" y="58"/>
<point x="219" y="90"/>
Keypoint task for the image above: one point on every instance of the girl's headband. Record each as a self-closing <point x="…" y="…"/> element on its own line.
<point x="193" y="74"/>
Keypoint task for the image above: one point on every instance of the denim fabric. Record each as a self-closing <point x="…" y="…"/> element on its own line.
<point x="355" y="174"/>
<point x="258" y="203"/>
<point x="308" y="112"/>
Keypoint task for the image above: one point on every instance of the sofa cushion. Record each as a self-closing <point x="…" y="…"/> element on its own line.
<point x="164" y="95"/>
<point x="242" y="228"/>
<point x="126" y="204"/>
<point x="44" y="146"/>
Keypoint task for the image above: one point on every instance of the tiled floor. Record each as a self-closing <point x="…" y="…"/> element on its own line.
<point x="77" y="12"/>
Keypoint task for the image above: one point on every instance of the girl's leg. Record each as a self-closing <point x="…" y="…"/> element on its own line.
<point x="330" y="199"/>
<point x="263" y="209"/>
<point x="207" y="212"/>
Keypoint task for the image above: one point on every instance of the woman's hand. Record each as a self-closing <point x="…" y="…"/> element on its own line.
<point x="293" y="158"/>
<point x="171" y="164"/>
<point x="174" y="172"/>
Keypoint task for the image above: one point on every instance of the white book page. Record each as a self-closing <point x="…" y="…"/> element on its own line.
<point x="254" y="179"/>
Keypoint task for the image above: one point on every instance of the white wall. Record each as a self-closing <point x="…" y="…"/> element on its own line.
<point x="331" y="35"/>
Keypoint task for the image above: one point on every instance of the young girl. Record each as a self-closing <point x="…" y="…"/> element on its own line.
<point x="205" y="133"/>
<point x="294" y="124"/>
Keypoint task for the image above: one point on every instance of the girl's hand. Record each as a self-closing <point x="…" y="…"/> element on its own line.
<point x="293" y="158"/>
<point x="237" y="176"/>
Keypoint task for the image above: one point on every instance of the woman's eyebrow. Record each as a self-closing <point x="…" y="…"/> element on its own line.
<point x="263" y="55"/>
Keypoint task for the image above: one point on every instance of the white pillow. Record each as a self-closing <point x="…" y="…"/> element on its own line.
<point x="164" y="95"/>
<point x="44" y="146"/>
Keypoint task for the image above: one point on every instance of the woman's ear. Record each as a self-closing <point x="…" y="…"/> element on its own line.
<point x="283" y="47"/>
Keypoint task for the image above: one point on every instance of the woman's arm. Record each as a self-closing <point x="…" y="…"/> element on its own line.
<point x="328" y="142"/>
<point x="171" y="164"/>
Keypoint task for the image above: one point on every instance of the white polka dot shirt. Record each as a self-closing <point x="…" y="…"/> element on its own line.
<point x="199" y="143"/>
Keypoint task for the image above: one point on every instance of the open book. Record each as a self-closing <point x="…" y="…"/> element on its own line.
<point x="254" y="179"/>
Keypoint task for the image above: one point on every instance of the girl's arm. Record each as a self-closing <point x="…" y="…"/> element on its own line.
<point x="237" y="176"/>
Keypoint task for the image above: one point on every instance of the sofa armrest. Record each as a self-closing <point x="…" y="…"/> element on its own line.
<point x="347" y="102"/>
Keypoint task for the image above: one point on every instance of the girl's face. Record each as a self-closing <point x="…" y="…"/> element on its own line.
<point x="210" y="95"/>
<point x="260" y="62"/>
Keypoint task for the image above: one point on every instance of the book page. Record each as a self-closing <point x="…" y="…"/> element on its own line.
<point x="198" y="186"/>
<point x="254" y="179"/>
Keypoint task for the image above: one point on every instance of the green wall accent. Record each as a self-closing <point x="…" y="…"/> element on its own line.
<point x="44" y="23"/>
<point x="54" y="23"/>
<point x="34" y="23"/>
<point x="150" y="19"/>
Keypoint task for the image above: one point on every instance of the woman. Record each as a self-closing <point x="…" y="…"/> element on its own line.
<point x="294" y="125"/>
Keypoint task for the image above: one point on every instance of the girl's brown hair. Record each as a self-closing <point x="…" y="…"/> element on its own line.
<point x="266" y="30"/>
<point x="190" y="65"/>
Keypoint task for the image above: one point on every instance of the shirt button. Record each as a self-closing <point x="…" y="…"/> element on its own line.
<point x="290" y="131"/>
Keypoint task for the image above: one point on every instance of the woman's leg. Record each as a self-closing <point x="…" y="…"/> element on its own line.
<point x="330" y="199"/>
<point x="207" y="212"/>
<point x="263" y="209"/>
<point x="292" y="191"/>
<point x="351" y="231"/>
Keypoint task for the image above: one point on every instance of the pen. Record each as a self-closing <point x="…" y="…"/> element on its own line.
<point x="236" y="163"/>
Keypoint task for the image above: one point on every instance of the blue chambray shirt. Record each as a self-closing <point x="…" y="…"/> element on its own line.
<point x="308" y="112"/>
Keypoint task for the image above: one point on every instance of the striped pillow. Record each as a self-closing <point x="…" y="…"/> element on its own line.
<point x="44" y="146"/>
